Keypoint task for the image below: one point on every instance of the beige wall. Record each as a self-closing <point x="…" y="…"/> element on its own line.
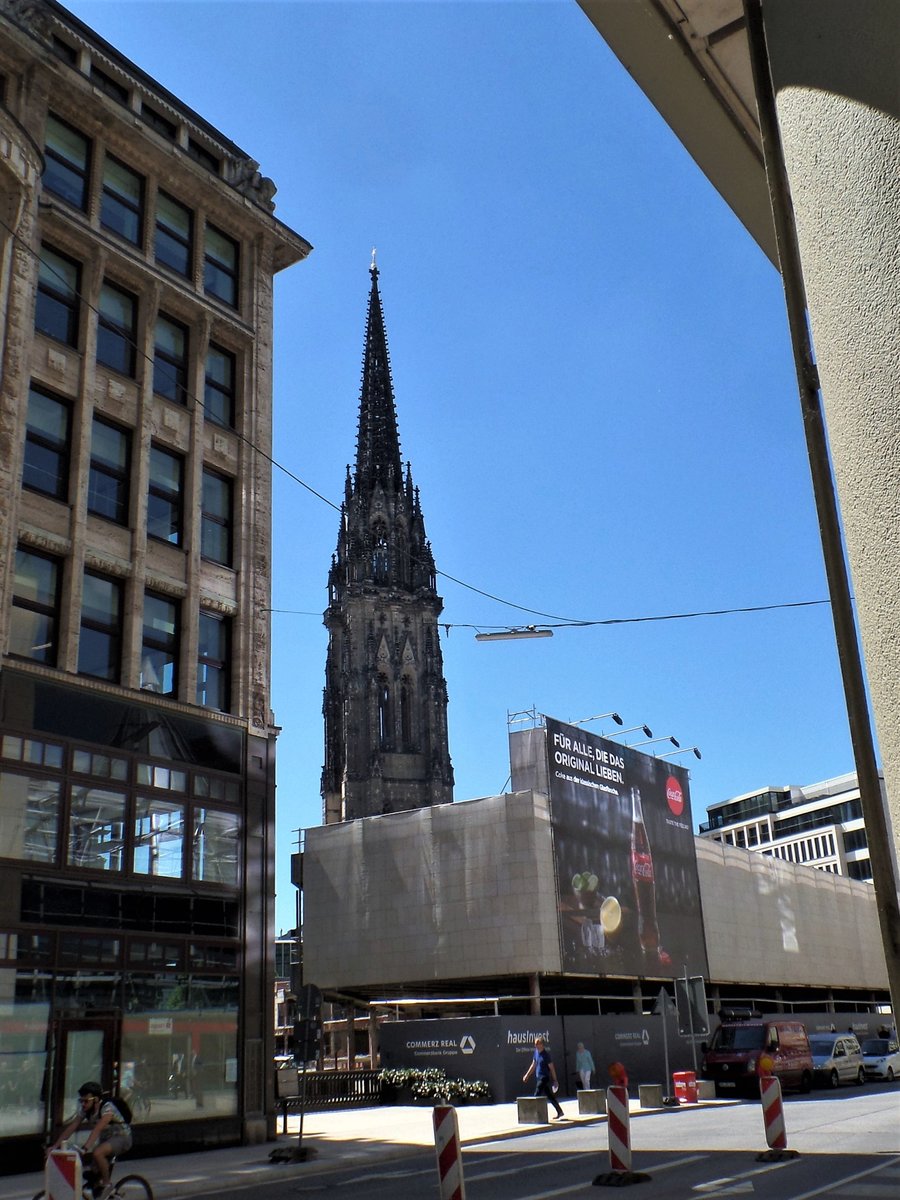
<point x="467" y="890"/>
<point x="773" y="922"/>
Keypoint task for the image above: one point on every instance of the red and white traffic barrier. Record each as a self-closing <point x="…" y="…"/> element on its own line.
<point x="62" y="1175"/>
<point x="773" y="1112"/>
<point x="619" y="1126"/>
<point x="449" y="1156"/>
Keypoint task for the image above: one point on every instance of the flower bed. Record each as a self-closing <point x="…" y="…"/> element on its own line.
<point x="430" y="1086"/>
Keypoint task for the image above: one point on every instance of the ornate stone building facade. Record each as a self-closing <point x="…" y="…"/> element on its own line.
<point x="138" y="247"/>
<point x="385" y="706"/>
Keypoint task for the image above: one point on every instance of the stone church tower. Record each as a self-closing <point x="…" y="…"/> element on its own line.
<point x="385" y="703"/>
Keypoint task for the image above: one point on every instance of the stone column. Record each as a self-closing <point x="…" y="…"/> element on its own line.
<point x="835" y="74"/>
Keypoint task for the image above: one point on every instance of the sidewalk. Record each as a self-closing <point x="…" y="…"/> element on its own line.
<point x="342" y="1138"/>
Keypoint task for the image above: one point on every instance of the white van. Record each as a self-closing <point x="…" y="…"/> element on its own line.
<point x="837" y="1059"/>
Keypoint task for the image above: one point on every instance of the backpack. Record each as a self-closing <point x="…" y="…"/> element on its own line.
<point x="124" y="1108"/>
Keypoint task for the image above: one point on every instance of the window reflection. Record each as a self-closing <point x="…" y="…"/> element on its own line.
<point x="215" y="856"/>
<point x="29" y="817"/>
<point x="179" y="1046"/>
<point x="158" y="838"/>
<point x="97" y="829"/>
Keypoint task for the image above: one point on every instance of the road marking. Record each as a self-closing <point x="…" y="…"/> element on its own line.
<point x="730" y="1189"/>
<point x="376" y="1174"/>
<point x="474" y="1175"/>
<point x="732" y="1184"/>
<point x="829" y="1187"/>
<point x="579" y="1187"/>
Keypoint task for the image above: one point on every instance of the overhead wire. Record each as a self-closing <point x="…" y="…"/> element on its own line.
<point x="559" y="622"/>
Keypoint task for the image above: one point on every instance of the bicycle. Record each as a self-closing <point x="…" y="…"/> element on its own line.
<point x="129" y="1187"/>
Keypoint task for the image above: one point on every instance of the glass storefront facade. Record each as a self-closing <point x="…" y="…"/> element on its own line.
<point x="171" y="1040"/>
<point x="123" y="887"/>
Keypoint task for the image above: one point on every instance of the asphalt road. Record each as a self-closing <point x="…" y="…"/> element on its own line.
<point x="848" y="1146"/>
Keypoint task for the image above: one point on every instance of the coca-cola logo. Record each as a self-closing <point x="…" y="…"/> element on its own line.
<point x="641" y="866"/>
<point x="674" y="796"/>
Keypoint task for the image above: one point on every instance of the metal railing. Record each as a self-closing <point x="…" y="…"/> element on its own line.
<point x="329" y="1089"/>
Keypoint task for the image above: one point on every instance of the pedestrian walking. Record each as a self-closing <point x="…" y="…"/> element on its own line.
<point x="544" y="1071"/>
<point x="584" y="1065"/>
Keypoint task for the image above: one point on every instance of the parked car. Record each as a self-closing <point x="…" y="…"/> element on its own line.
<point x="881" y="1058"/>
<point x="837" y="1059"/>
<point x="746" y="1047"/>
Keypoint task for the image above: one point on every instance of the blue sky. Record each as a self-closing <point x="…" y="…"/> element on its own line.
<point x="591" y="366"/>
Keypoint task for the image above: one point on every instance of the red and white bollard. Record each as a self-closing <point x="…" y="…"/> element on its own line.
<point x="773" y="1115"/>
<point x="619" y="1125"/>
<point x="449" y="1156"/>
<point x="62" y="1175"/>
<point x="773" y="1112"/>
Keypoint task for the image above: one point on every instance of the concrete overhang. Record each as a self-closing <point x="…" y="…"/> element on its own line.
<point x="691" y="59"/>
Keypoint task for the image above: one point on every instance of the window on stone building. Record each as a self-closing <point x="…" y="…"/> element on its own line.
<point x="109" y="474"/>
<point x="407" y="730"/>
<point x="122" y="201"/>
<point x="164" y="504"/>
<point x="100" y="639"/>
<point x="384" y="714"/>
<point x="66" y="52"/>
<point x="158" y="838"/>
<point x="66" y="162"/>
<point x="46" y="465"/>
<point x="216" y="518"/>
<point x="213" y="661"/>
<point x="117" y="329"/>
<point x="30" y="810"/>
<point x="34" y="620"/>
<point x="109" y="86"/>
<point x="162" y="125"/>
<point x="215" y="846"/>
<point x="174" y="235"/>
<point x="219" y="395"/>
<point x="204" y="157"/>
<point x="213" y="787"/>
<point x="159" y="646"/>
<point x="220" y="266"/>
<point x="56" y="304"/>
<point x="170" y="360"/>
<point x="380" y="554"/>
<point x="96" y="828"/>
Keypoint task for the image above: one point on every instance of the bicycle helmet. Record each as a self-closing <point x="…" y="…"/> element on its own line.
<point x="91" y="1089"/>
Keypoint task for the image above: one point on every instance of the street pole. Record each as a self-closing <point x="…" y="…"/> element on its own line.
<point x="689" y="1006"/>
<point x="663" y="1000"/>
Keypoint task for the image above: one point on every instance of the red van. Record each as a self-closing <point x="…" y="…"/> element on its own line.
<point x="747" y="1046"/>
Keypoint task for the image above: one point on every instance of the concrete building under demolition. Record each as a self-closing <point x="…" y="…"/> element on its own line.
<point x="579" y="894"/>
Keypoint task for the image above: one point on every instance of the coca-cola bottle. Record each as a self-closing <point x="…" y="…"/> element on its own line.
<point x="643" y="878"/>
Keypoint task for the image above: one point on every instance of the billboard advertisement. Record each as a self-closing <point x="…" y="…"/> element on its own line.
<point x="628" y="892"/>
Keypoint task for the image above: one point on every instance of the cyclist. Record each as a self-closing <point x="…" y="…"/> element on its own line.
<point x="108" y="1133"/>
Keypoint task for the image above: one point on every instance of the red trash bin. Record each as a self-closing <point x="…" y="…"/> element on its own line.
<point x="685" y="1087"/>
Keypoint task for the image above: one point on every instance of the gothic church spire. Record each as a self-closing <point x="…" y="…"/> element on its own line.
<point x="385" y="701"/>
<point x="377" y="442"/>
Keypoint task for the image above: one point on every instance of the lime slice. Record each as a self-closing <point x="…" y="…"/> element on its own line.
<point x="610" y="914"/>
